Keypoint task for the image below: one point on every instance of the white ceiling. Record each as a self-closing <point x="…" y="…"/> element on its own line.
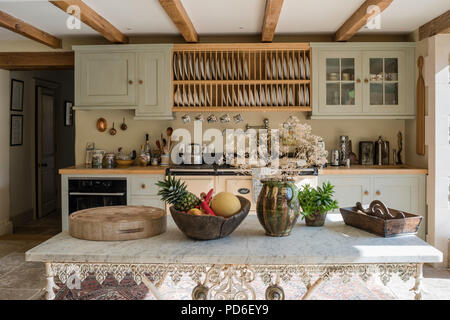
<point x="146" y="17"/>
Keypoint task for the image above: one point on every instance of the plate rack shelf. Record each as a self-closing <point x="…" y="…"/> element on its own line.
<point x="241" y="77"/>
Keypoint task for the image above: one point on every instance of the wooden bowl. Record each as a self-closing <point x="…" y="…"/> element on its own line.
<point x="209" y="227"/>
<point x="124" y="163"/>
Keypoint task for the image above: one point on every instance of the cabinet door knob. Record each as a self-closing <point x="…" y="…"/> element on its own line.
<point x="366" y="80"/>
<point x="358" y="80"/>
<point x="143" y="186"/>
<point x="130" y="81"/>
<point x="141" y="81"/>
<point x="378" y="193"/>
<point x="366" y="193"/>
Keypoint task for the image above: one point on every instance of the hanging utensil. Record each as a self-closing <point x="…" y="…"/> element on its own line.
<point x="102" y="124"/>
<point x="112" y="131"/>
<point x="123" y="126"/>
<point x="169" y="132"/>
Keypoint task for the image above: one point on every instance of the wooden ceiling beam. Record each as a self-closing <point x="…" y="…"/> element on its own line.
<point x="359" y="19"/>
<point x="271" y="16"/>
<point x="438" y="25"/>
<point x="27" y="30"/>
<point x="94" y="20"/>
<point x="36" y="60"/>
<point x="179" y="16"/>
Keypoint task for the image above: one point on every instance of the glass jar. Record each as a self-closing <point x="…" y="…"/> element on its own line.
<point x="97" y="159"/>
<point x="110" y="160"/>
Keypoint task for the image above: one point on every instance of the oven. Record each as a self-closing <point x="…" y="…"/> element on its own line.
<point x="85" y="193"/>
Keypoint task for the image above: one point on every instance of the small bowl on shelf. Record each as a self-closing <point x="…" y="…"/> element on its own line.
<point x="206" y="227"/>
<point x="124" y="163"/>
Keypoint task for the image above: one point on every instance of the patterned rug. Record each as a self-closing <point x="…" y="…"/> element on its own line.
<point x="127" y="289"/>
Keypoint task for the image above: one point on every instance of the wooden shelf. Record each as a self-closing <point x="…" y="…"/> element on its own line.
<point x="248" y="69"/>
<point x="241" y="109"/>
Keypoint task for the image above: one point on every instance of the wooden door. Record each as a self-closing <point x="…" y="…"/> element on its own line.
<point x="349" y="190"/>
<point x="340" y="83"/>
<point x="384" y="82"/>
<point x="105" y="79"/>
<point x="46" y="152"/>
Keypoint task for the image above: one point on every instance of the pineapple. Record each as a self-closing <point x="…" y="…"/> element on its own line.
<point x="174" y="192"/>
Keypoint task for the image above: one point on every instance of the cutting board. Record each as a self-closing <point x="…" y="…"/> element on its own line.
<point x="420" y="114"/>
<point x="117" y="223"/>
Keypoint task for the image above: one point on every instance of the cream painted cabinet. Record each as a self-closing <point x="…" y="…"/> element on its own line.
<point x="125" y="77"/>
<point x="105" y="79"/>
<point x="363" y="80"/>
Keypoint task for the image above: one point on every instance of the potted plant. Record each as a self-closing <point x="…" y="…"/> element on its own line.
<point x="315" y="203"/>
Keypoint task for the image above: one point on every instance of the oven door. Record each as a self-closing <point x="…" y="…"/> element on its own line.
<point x="85" y="200"/>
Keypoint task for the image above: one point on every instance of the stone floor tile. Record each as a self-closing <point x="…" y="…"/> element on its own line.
<point x="24" y="277"/>
<point x="17" y="294"/>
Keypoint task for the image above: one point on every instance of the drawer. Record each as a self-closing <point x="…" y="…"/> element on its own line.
<point x="149" y="201"/>
<point x="145" y="185"/>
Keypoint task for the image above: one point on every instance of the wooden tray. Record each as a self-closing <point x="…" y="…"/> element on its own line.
<point x="384" y="228"/>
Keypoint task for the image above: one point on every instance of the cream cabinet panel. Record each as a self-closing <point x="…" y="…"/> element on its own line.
<point x="154" y="85"/>
<point x="148" y="201"/>
<point x="349" y="189"/>
<point x="237" y="185"/>
<point x="105" y="79"/>
<point x="145" y="184"/>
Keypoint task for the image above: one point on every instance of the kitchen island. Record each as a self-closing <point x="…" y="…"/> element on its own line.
<point x="337" y="250"/>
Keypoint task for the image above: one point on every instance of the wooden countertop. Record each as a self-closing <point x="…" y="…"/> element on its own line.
<point x="353" y="170"/>
<point x="129" y="170"/>
<point x="372" y="169"/>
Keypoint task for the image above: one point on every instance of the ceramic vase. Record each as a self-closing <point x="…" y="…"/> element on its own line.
<point x="277" y="207"/>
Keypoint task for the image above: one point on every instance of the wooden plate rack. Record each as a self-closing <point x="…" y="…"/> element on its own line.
<point x="241" y="77"/>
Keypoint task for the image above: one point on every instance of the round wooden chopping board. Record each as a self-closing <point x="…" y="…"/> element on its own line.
<point x="117" y="223"/>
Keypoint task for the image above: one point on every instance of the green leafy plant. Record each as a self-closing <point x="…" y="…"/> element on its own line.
<point x="317" y="200"/>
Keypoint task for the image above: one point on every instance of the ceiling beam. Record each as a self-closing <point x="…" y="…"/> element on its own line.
<point x="94" y="20"/>
<point x="359" y="19"/>
<point x="36" y="60"/>
<point x="27" y="30"/>
<point x="271" y="16"/>
<point x="438" y="25"/>
<point x="179" y="16"/>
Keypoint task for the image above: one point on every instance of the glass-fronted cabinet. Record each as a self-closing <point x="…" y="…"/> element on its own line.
<point x="363" y="80"/>
<point x="340" y="82"/>
<point x="383" y="82"/>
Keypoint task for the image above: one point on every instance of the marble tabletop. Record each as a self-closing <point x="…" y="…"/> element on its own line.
<point x="335" y="243"/>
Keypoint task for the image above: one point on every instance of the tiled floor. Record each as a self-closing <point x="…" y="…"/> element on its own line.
<point x="25" y="280"/>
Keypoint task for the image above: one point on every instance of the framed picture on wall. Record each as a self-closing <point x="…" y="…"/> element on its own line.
<point x="16" y="95"/>
<point x="16" y="130"/>
<point x="68" y="113"/>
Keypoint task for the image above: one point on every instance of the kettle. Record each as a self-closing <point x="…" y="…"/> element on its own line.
<point x="381" y="156"/>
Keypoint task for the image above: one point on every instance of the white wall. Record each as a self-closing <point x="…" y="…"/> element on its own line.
<point x="131" y="139"/>
<point x="5" y="224"/>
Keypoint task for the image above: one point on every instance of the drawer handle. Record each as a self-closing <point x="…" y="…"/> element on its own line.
<point x="358" y="80"/>
<point x="378" y="193"/>
<point x="143" y="186"/>
<point x="366" y="193"/>
<point x="366" y="80"/>
<point x="141" y="81"/>
<point x="244" y="191"/>
<point x="130" y="81"/>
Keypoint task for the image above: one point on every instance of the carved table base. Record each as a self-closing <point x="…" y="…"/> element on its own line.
<point x="231" y="282"/>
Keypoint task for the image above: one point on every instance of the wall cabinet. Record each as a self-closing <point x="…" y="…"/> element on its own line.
<point x="125" y="77"/>
<point x="406" y="193"/>
<point x="363" y="80"/>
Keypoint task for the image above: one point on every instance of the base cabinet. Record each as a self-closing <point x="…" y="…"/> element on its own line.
<point x="405" y="193"/>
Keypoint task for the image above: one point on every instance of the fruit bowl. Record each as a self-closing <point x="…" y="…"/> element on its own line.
<point x="207" y="227"/>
